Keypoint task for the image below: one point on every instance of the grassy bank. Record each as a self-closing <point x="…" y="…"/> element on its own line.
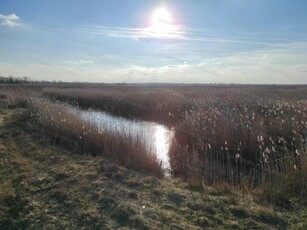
<point x="44" y="186"/>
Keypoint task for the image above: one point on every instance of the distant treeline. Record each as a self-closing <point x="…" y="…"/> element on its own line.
<point x="25" y="80"/>
<point x="77" y="84"/>
<point x="14" y="80"/>
<point x="28" y="80"/>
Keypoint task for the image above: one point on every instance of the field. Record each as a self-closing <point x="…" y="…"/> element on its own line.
<point x="238" y="158"/>
<point x="254" y="136"/>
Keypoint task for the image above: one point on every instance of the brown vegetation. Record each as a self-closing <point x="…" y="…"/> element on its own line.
<point x="251" y="136"/>
<point x="165" y="105"/>
<point x="44" y="186"/>
<point x="69" y="130"/>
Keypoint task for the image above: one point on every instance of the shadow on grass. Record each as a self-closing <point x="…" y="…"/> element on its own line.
<point x="13" y="206"/>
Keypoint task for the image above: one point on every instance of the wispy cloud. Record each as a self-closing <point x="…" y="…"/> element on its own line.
<point x="84" y="62"/>
<point x="281" y="66"/>
<point x="181" y="33"/>
<point x="9" y="20"/>
<point x="123" y="32"/>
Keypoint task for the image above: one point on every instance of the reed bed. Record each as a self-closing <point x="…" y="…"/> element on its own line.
<point x="251" y="136"/>
<point x="70" y="130"/>
<point x="245" y="139"/>
<point x="12" y="96"/>
<point x="164" y="105"/>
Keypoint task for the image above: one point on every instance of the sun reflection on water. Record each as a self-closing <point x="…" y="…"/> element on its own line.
<point x="162" y="139"/>
<point x="157" y="137"/>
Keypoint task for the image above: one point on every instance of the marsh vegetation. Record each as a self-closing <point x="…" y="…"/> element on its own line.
<point x="250" y="139"/>
<point x="251" y="136"/>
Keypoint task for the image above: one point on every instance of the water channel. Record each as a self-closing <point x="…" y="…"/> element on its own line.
<point x="155" y="136"/>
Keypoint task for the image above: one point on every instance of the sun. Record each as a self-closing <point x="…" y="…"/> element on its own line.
<point x="162" y="22"/>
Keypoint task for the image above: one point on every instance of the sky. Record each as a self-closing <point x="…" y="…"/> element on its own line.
<point x="170" y="41"/>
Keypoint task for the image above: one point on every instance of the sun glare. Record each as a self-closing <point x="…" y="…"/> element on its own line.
<point x="161" y="144"/>
<point x="162" y="22"/>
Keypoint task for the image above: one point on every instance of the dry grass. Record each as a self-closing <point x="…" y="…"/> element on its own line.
<point x="72" y="131"/>
<point x="44" y="186"/>
<point x="254" y="136"/>
<point x="255" y="139"/>
<point x="164" y="105"/>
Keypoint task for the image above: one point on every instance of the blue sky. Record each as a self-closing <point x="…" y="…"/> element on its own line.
<point x="201" y="41"/>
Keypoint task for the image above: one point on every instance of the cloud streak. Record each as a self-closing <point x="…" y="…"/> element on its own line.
<point x="181" y="33"/>
<point x="123" y="32"/>
<point x="279" y="66"/>
<point x="9" y="20"/>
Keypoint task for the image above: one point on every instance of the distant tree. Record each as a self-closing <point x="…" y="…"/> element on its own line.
<point x="10" y="80"/>
<point x="26" y="79"/>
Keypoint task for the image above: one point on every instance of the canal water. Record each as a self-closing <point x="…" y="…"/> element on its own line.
<point x="156" y="137"/>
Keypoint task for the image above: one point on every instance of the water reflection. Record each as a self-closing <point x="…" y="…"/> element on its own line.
<point x="156" y="137"/>
<point x="162" y="142"/>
